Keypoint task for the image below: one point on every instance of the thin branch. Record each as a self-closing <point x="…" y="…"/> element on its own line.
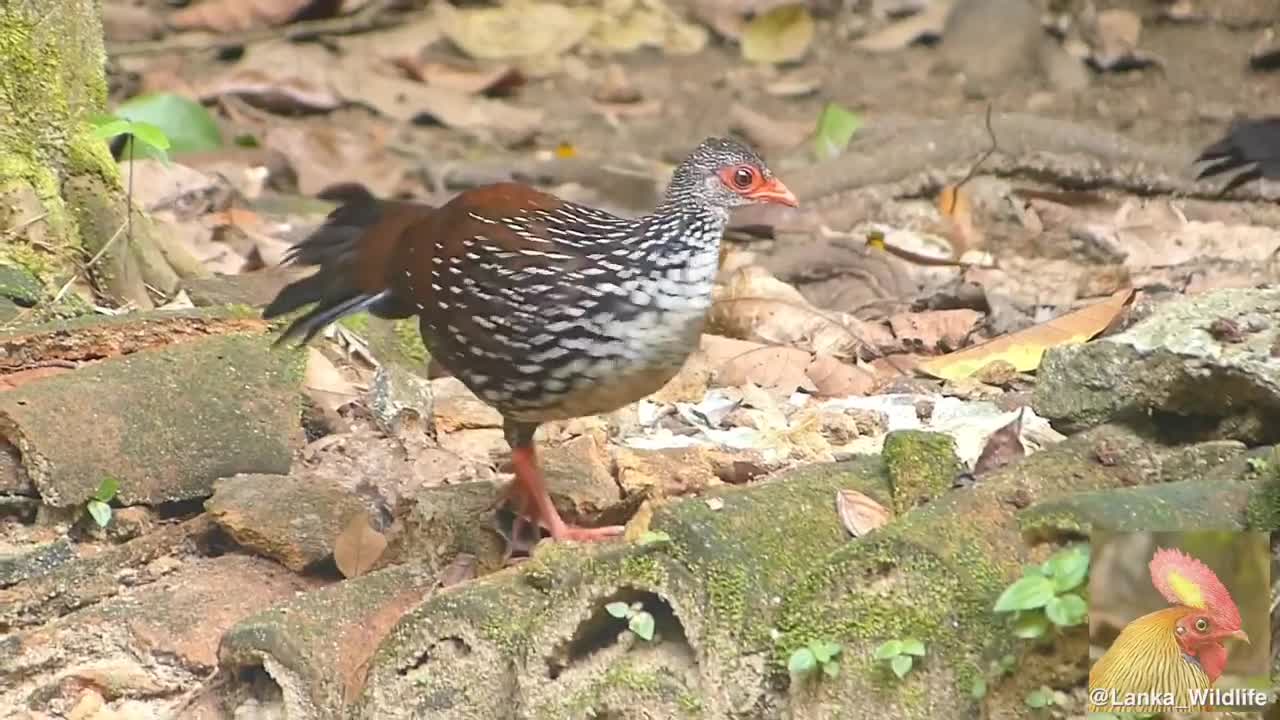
<point x="92" y="261"/>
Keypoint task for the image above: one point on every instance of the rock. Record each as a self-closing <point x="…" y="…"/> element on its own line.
<point x="399" y="400"/>
<point x="1171" y="362"/>
<point x="318" y="646"/>
<point x="921" y="465"/>
<point x="990" y="40"/>
<point x="41" y="560"/>
<point x="456" y="408"/>
<point x="690" y="384"/>
<point x="140" y="418"/>
<point x="445" y="521"/>
<point x="666" y="472"/>
<point x="292" y="520"/>
<point x="580" y="477"/>
<point x="156" y="640"/>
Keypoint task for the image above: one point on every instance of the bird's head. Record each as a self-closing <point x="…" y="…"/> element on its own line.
<point x="724" y="173"/>
<point x="1211" y="617"/>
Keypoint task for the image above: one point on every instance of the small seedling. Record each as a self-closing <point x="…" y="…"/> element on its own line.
<point x="639" y="620"/>
<point x="653" y="537"/>
<point x="108" y="127"/>
<point x="99" y="507"/>
<point x="900" y="655"/>
<point x="1041" y="697"/>
<point x="1258" y="465"/>
<point x="817" y="655"/>
<point x="996" y="669"/>
<point x="1048" y="595"/>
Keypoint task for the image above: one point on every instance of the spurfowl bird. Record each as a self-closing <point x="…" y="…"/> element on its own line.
<point x="1172" y="650"/>
<point x="1252" y="145"/>
<point x="545" y="309"/>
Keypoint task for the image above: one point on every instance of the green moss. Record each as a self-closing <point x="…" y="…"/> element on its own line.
<point x="921" y="466"/>
<point x="390" y="340"/>
<point x="1263" y="509"/>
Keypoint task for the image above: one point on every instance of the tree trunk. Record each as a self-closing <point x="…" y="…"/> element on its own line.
<point x="62" y="203"/>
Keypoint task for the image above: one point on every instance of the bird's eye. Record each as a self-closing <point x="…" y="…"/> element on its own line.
<point x="744" y="177"/>
<point x="1202" y="625"/>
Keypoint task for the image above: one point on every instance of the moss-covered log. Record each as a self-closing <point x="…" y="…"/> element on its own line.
<point x="61" y="196"/>
<point x="744" y="580"/>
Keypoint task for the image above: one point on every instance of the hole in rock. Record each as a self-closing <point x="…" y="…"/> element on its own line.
<point x="444" y="651"/>
<point x="601" y="631"/>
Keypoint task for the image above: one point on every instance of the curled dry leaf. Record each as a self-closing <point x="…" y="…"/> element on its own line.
<point x="358" y="547"/>
<point x="1003" y="447"/>
<point x="228" y="16"/>
<point x="783" y="369"/>
<point x="859" y="513"/>
<point x="1024" y="348"/>
<point x="954" y="204"/>
<point x="927" y="24"/>
<point x="472" y="80"/>
<point x="754" y="305"/>
<point x="934" y="330"/>
<point x="325" y="384"/>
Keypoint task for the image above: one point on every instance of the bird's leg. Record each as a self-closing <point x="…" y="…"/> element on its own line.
<point x="533" y="500"/>
<point x="529" y="491"/>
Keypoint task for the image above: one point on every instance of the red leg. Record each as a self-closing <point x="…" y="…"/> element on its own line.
<point x="537" y="503"/>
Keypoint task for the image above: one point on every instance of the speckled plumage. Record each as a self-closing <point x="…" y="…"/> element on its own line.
<point x="545" y="309"/>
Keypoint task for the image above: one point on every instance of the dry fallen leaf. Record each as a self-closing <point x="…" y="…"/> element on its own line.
<point x="754" y="305"/>
<point x="859" y="513"/>
<point x="780" y="35"/>
<point x="1024" y="348"/>
<point x="324" y="384"/>
<point x="1003" y="447"/>
<point x="516" y="30"/>
<point x="358" y="547"/>
<point x="491" y="80"/>
<point x="929" y="23"/>
<point x="638" y="525"/>
<point x="228" y="16"/>
<point x="953" y="203"/>
<point x="934" y="331"/>
<point x="833" y="378"/>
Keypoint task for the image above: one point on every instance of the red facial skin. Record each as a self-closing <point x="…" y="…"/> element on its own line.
<point x="1200" y="635"/>
<point x="749" y="182"/>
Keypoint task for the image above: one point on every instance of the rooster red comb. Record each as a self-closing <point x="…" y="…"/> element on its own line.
<point x="1184" y="580"/>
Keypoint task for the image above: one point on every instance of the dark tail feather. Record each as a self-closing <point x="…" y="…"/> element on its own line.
<point x="351" y="250"/>
<point x="1251" y="145"/>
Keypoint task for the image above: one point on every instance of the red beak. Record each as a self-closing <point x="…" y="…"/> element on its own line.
<point x="773" y="191"/>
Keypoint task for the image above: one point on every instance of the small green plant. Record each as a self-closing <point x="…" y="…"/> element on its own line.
<point x="156" y="141"/>
<point x="653" y="537"/>
<point x="1048" y="595"/>
<point x="817" y="655"/>
<point x="99" y="507"/>
<point x="1259" y="465"/>
<point x="900" y="655"/>
<point x="1041" y="697"/>
<point x="639" y="620"/>
<point x="996" y="669"/>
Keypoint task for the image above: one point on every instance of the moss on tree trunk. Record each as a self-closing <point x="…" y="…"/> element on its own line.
<point x="61" y="196"/>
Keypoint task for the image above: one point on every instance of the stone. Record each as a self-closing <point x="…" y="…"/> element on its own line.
<point x="921" y="466"/>
<point x="399" y="400"/>
<point x="292" y="520"/>
<point x="1171" y="362"/>
<point x="580" y="476"/>
<point x="155" y="640"/>
<point x="456" y="408"/>
<point x="40" y="560"/>
<point x="665" y="472"/>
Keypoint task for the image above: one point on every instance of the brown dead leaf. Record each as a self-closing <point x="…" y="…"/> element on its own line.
<point x="495" y="80"/>
<point x="738" y="362"/>
<point x="228" y="16"/>
<point x="859" y="513"/>
<point x="358" y="547"/>
<point x="929" y="23"/>
<point x="833" y="378"/>
<point x="325" y="384"/>
<point x="754" y="305"/>
<point x="934" y="331"/>
<point x="954" y="204"/>
<point x="1023" y="349"/>
<point x="1003" y="447"/>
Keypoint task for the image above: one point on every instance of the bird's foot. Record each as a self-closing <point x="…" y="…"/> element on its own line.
<point x="562" y="532"/>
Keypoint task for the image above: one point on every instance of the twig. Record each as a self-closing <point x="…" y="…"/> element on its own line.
<point x="995" y="145"/>
<point x="370" y="17"/>
<point x="11" y="232"/>
<point x="92" y="261"/>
